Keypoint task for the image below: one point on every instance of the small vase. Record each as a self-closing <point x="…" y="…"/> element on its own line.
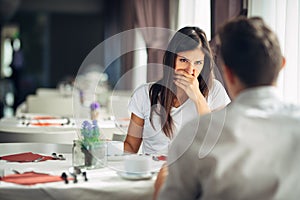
<point x="95" y="110"/>
<point x="95" y="155"/>
<point x="95" y="114"/>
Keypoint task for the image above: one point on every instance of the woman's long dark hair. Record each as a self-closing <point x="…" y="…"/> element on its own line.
<point x="163" y="91"/>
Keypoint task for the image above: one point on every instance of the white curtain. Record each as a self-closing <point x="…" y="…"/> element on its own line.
<point x="195" y="13"/>
<point x="283" y="16"/>
<point x="140" y="61"/>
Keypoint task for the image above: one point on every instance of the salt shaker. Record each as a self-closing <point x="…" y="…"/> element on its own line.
<point x="77" y="154"/>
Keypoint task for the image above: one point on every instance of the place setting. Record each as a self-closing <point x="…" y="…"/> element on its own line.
<point x="31" y="157"/>
<point x="32" y="178"/>
<point x="36" y="123"/>
<point x="23" y="174"/>
<point x="137" y="167"/>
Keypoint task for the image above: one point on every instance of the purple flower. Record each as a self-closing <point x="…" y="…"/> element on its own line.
<point x="86" y="125"/>
<point x="95" y="105"/>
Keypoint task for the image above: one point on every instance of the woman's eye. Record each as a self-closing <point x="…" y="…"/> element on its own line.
<point x="183" y="60"/>
<point x="200" y="62"/>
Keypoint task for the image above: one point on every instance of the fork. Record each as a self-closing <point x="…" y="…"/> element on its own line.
<point x="16" y="171"/>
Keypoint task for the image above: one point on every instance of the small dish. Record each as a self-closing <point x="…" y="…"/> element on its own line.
<point x="135" y="176"/>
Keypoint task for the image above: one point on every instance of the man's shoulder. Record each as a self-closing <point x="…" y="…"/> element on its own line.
<point x="289" y="113"/>
<point x="205" y="129"/>
<point x="291" y="108"/>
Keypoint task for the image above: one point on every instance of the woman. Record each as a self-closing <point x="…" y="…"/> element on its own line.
<point x="187" y="89"/>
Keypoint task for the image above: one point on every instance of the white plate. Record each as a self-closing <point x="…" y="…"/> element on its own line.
<point x="115" y="157"/>
<point x="135" y="176"/>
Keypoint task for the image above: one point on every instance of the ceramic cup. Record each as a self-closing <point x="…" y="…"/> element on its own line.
<point x="137" y="164"/>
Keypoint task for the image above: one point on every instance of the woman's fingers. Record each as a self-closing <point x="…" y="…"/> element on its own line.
<point x="186" y="80"/>
<point x="187" y="86"/>
<point x="180" y="84"/>
<point x="184" y="73"/>
<point x="183" y="78"/>
<point x="190" y="89"/>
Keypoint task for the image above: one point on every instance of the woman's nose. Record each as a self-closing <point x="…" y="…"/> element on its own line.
<point x="189" y="68"/>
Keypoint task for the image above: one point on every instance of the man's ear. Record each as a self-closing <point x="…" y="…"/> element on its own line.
<point x="228" y="75"/>
<point x="283" y="63"/>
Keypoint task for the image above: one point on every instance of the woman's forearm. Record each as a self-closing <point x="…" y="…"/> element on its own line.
<point x="133" y="139"/>
<point x="128" y="148"/>
<point x="201" y="105"/>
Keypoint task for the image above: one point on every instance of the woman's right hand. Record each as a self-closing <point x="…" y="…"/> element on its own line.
<point x="190" y="85"/>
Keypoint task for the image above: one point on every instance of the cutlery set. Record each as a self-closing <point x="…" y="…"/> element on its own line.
<point x="59" y="157"/>
<point x="74" y="171"/>
<point x="45" y="121"/>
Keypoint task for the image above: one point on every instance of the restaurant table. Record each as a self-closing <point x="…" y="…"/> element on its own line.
<point x="103" y="183"/>
<point x="14" y="130"/>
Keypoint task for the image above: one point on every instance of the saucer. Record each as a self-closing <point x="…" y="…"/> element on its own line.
<point x="115" y="157"/>
<point x="135" y="176"/>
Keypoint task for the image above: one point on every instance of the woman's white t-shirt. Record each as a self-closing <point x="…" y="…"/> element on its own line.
<point x="154" y="139"/>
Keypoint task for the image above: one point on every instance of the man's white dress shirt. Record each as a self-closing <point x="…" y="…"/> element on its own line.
<point x="249" y="150"/>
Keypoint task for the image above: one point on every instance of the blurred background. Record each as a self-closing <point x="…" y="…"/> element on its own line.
<point x="44" y="42"/>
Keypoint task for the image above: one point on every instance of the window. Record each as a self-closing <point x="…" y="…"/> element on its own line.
<point x="284" y="18"/>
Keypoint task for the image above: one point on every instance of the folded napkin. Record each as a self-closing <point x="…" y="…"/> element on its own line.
<point x="159" y="158"/>
<point x="26" y="157"/>
<point x="31" y="178"/>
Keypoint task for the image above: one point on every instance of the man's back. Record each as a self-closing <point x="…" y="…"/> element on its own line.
<point x="251" y="149"/>
<point x="256" y="155"/>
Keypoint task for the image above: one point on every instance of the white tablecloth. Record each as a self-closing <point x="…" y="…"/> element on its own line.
<point x="103" y="183"/>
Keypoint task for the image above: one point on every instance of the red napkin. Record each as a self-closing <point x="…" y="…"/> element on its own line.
<point x="31" y="178"/>
<point x="26" y="157"/>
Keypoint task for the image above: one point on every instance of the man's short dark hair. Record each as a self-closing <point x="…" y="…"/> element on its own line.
<point x="251" y="50"/>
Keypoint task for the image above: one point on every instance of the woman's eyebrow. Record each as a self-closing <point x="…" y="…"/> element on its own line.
<point x="184" y="57"/>
<point x="189" y="59"/>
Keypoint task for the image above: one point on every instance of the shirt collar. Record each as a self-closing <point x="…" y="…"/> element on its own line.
<point x="257" y="94"/>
